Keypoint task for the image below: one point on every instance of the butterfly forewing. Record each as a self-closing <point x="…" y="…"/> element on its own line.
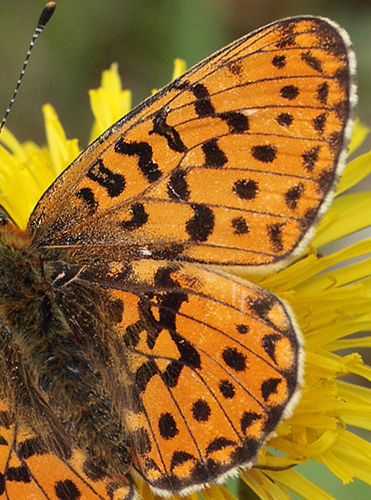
<point x="230" y="164"/>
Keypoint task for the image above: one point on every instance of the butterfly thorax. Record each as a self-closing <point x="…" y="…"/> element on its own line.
<point x="54" y="384"/>
<point x="21" y="282"/>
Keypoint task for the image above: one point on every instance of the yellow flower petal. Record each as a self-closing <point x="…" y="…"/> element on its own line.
<point x="25" y="172"/>
<point x="263" y="486"/>
<point x="360" y="132"/>
<point x="355" y="452"/>
<point x="179" y="68"/>
<point x="348" y="214"/>
<point x="356" y="170"/>
<point x="300" y="485"/>
<point x="62" y="150"/>
<point x="109" y="102"/>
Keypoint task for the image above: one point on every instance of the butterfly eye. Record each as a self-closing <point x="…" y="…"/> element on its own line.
<point x="5" y="217"/>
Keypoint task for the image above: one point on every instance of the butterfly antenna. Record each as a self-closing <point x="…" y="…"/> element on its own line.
<point x="45" y="16"/>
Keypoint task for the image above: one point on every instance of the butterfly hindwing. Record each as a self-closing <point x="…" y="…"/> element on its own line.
<point x="212" y="362"/>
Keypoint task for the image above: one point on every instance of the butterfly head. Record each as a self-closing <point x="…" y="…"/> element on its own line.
<point x="5" y="217"/>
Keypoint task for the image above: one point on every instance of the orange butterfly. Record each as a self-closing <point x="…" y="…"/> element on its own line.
<point x="125" y="349"/>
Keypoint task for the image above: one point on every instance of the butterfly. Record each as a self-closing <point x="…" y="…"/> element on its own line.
<point x="126" y="349"/>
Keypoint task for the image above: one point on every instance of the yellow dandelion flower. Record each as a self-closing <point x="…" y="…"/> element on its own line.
<point x="330" y="294"/>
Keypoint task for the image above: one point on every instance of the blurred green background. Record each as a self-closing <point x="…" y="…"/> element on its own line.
<point x="144" y="36"/>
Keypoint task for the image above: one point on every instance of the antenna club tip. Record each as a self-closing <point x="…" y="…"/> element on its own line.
<point x="46" y="14"/>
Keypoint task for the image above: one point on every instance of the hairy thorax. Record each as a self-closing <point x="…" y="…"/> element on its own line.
<point x="52" y="377"/>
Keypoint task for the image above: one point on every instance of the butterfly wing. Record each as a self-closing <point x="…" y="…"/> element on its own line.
<point x="232" y="163"/>
<point x="28" y="470"/>
<point x="213" y="363"/>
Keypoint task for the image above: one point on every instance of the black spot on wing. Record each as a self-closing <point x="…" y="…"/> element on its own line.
<point x="172" y="136"/>
<point x="269" y="387"/>
<point x="163" y="280"/>
<point x="138" y="217"/>
<point x="169" y="251"/>
<point x="322" y="92"/>
<point x="201" y="410"/>
<point x="20" y="474"/>
<point x="188" y="354"/>
<point x="169" y="304"/>
<point x="235" y="67"/>
<point x="335" y="141"/>
<point x="143" y="375"/>
<point x="143" y="151"/>
<point x="285" y="119"/>
<point x="242" y="329"/>
<point x="313" y="62"/>
<point x="275" y="236"/>
<point x="31" y="447"/>
<point x="2" y="483"/>
<point x="265" y="153"/>
<point x="240" y="226"/>
<point x="325" y="181"/>
<point x="218" y="444"/>
<point x="341" y="109"/>
<point x="179" y="458"/>
<point x="310" y="158"/>
<point x="287" y="36"/>
<point x="247" y="419"/>
<point x="293" y="195"/>
<point x="246" y="189"/>
<point x="203" y="105"/>
<point x="237" y="122"/>
<point x="308" y="219"/>
<point x="279" y="61"/>
<point x="113" y="183"/>
<point x="201" y="225"/>
<point x="262" y="306"/>
<point x="319" y="122"/>
<point x="269" y="345"/>
<point x="227" y="389"/>
<point x="289" y="92"/>
<point x="177" y="187"/>
<point x="172" y="373"/>
<point x="167" y="426"/>
<point x="234" y="359"/>
<point x="214" y="156"/>
<point x="87" y="195"/>
<point x="67" y="490"/>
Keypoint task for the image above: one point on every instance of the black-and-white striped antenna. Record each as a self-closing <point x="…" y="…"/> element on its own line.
<point x="45" y="16"/>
